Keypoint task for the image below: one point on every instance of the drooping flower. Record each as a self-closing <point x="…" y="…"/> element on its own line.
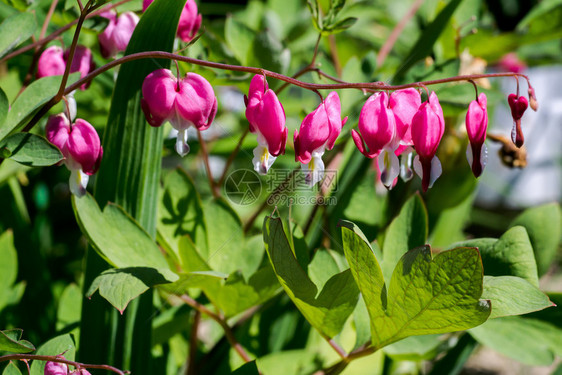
<point x="55" y="368"/>
<point x="511" y="63"/>
<point x="384" y="125"/>
<point x="81" y="371"/>
<point x="185" y="102"/>
<point x="518" y="105"/>
<point x="53" y="60"/>
<point x="118" y="32"/>
<point x="476" y="126"/>
<point x="80" y="146"/>
<point x="190" y="20"/>
<point x="428" y="126"/>
<point x="318" y="132"/>
<point x="267" y="119"/>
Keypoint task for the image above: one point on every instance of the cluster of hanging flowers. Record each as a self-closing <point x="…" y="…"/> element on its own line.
<point x="397" y="129"/>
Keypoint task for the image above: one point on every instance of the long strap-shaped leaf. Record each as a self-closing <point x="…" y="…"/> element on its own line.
<point x="129" y="176"/>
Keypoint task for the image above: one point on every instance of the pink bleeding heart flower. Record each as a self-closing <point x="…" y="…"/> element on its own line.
<point x="428" y="126"/>
<point x="404" y="105"/>
<point x="81" y="147"/>
<point x="185" y="102"/>
<point x="118" y="32"/>
<point x="53" y="62"/>
<point x="377" y="127"/>
<point x="190" y="20"/>
<point x="318" y="132"/>
<point x="518" y="105"/>
<point x="267" y="119"/>
<point x="81" y="371"/>
<point x="511" y="63"/>
<point x="476" y="126"/>
<point x="55" y="368"/>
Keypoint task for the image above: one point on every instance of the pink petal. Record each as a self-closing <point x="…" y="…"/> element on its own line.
<point x="84" y="145"/>
<point x="404" y="105"/>
<point x="58" y="131"/>
<point x="159" y="91"/>
<point x="377" y="123"/>
<point x="195" y="102"/>
<point x="51" y="62"/>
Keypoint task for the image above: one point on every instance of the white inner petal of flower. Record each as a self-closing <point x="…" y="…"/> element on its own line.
<point x="262" y="160"/>
<point x="182" y="148"/>
<point x="389" y="166"/>
<point x="78" y="182"/>
<point x="70" y="104"/>
<point x="314" y="170"/>
<point x="406" y="161"/>
<point x="436" y="169"/>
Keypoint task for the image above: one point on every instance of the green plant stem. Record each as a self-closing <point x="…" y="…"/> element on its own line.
<point x="49" y="358"/>
<point x="222" y="322"/>
<point x="81" y="19"/>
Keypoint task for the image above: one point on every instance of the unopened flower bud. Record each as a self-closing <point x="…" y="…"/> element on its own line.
<point x="118" y="32"/>
<point x="55" y="368"/>
<point x="533" y="103"/>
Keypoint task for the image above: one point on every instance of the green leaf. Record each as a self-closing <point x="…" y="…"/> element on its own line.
<point x="407" y="231"/>
<point x="225" y="238"/>
<point x="239" y="39"/>
<point x="511" y="255"/>
<point x="512" y="295"/>
<point x="69" y="308"/>
<point x="180" y="213"/>
<point x="544" y="227"/>
<point x="424" y="44"/>
<point x="298" y="362"/>
<point x="326" y="311"/>
<point x="11" y="369"/>
<point x="528" y="341"/>
<point x="10" y="341"/>
<point x="30" y="150"/>
<point x="339" y="26"/>
<point x="121" y="286"/>
<point x="117" y="237"/>
<point x="4" y="107"/>
<point x="35" y="95"/>
<point x="8" y="266"/>
<point x="249" y="368"/>
<point x="427" y="295"/>
<point x="55" y="346"/>
<point x="269" y="53"/>
<point x="15" y="30"/>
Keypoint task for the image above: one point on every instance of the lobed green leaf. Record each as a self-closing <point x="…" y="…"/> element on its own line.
<point x="30" y="150"/>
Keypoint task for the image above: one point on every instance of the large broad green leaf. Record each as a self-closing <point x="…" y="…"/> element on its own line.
<point x="544" y="227"/>
<point x="35" y="95"/>
<point x="326" y="311"/>
<point x="528" y="341"/>
<point x="512" y="295"/>
<point x="427" y="295"/>
<point x="117" y="236"/>
<point x="121" y="286"/>
<point x="424" y="44"/>
<point x="16" y="30"/>
<point x="55" y="346"/>
<point x="30" y="149"/>
<point x="10" y="341"/>
<point x="407" y="231"/>
<point x="180" y="213"/>
<point x="68" y="311"/>
<point x="415" y="348"/>
<point x="249" y="368"/>
<point x="511" y="255"/>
